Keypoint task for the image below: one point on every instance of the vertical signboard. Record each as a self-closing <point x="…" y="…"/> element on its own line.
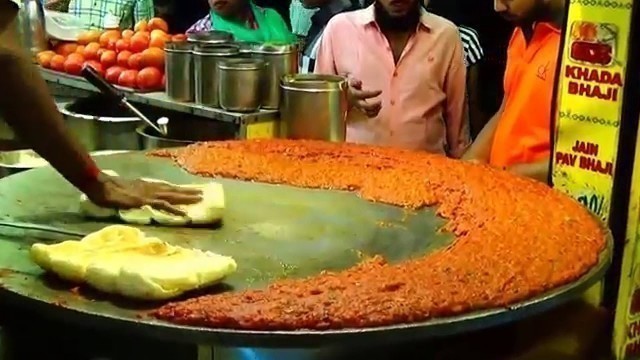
<point x="596" y="121"/>
<point x="589" y="100"/>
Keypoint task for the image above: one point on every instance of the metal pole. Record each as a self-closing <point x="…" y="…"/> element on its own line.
<point x="626" y="150"/>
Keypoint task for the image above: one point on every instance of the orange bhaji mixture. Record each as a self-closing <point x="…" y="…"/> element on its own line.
<point x="515" y="238"/>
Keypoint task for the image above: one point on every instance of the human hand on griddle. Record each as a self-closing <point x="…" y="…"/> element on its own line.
<point x="113" y="192"/>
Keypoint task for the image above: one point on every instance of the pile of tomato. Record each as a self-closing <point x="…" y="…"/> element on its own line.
<point x="130" y="58"/>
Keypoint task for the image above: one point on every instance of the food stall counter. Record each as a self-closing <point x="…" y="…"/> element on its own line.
<point x="161" y="100"/>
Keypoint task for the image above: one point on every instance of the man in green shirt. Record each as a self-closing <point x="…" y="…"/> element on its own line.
<point x="246" y="21"/>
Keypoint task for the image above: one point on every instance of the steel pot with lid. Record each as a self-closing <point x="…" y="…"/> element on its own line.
<point x="280" y="60"/>
<point x="206" y="58"/>
<point x="314" y="107"/>
<point x="240" y="84"/>
<point x="247" y="47"/>
<point x="210" y="37"/>
<point x="179" y="71"/>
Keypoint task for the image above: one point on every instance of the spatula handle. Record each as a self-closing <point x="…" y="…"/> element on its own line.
<point x="100" y="83"/>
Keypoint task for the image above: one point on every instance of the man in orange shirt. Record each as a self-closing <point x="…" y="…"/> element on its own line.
<point x="518" y="136"/>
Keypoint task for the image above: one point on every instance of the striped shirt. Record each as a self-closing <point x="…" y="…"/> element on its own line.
<point x="128" y="12"/>
<point x="318" y="22"/>
<point x="309" y="56"/>
<point x="473" y="52"/>
<point x="300" y="18"/>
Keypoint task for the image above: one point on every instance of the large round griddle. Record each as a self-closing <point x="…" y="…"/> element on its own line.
<point x="272" y="231"/>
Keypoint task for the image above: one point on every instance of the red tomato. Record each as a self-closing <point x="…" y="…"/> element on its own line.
<point x="135" y="62"/>
<point x="96" y="66"/>
<point x="108" y="59"/>
<point x="112" y="74"/>
<point x="111" y="44"/>
<point x="128" y="78"/>
<point x="139" y="42"/>
<point x="57" y="62"/>
<point x="73" y="64"/>
<point x="122" y="45"/>
<point x="149" y="78"/>
<point x="123" y="58"/>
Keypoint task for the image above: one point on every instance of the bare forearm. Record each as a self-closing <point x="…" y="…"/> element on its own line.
<point x="481" y="147"/>
<point x="25" y="104"/>
<point x="538" y="170"/>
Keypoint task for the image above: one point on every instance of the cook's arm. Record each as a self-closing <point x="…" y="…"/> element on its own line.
<point x="538" y="170"/>
<point x="481" y="147"/>
<point x="456" y="112"/>
<point x="27" y="107"/>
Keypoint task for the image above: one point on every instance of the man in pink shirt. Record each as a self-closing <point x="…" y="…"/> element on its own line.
<point x="406" y="73"/>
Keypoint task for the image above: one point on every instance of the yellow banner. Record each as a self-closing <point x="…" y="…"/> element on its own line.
<point x="589" y="100"/>
<point x="589" y="106"/>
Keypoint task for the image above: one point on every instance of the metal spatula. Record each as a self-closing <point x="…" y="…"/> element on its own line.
<point x="107" y="89"/>
<point x="43" y="228"/>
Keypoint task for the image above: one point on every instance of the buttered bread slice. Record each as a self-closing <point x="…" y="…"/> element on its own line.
<point x="121" y="260"/>
<point x="208" y="211"/>
<point x="69" y="259"/>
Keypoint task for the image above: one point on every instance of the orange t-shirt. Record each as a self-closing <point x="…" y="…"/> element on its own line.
<point x="524" y="129"/>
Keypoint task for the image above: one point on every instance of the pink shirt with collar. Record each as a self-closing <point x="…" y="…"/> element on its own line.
<point x="423" y="95"/>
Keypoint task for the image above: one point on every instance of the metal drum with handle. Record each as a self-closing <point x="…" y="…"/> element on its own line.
<point x="239" y="85"/>
<point x="280" y="60"/>
<point x="32" y="26"/>
<point x="314" y="107"/>
<point x="206" y="59"/>
<point x="210" y="37"/>
<point x="179" y="71"/>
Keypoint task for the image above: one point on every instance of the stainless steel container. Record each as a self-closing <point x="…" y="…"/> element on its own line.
<point x="206" y="71"/>
<point x="247" y="47"/>
<point x="210" y="37"/>
<point x="150" y="141"/>
<point x="184" y="130"/>
<point x="240" y="84"/>
<point x="280" y="60"/>
<point x="179" y="71"/>
<point x="100" y="125"/>
<point x="32" y="26"/>
<point x="314" y="107"/>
